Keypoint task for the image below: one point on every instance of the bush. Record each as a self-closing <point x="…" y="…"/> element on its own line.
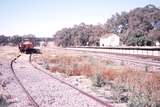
<point x="149" y="93"/>
<point x="98" y="80"/>
<point x="3" y="102"/>
<point x="141" y="88"/>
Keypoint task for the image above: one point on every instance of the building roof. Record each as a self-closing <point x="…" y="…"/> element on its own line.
<point x="27" y="42"/>
<point x="107" y="35"/>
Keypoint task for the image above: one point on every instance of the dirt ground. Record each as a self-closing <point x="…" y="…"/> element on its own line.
<point x="46" y="91"/>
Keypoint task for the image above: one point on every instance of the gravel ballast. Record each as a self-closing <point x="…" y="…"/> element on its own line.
<point x="49" y="92"/>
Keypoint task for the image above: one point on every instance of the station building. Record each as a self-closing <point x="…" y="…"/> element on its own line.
<point x="109" y="40"/>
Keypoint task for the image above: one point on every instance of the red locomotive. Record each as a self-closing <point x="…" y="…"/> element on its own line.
<point x="27" y="47"/>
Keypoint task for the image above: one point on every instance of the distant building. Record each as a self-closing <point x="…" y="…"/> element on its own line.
<point x="157" y="43"/>
<point x="43" y="44"/>
<point x="110" y="39"/>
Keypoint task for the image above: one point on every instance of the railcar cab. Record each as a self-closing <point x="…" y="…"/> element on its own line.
<point x="27" y="47"/>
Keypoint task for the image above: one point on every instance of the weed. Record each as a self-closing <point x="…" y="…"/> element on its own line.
<point x="98" y="80"/>
<point x="146" y="68"/>
<point x="3" y="99"/>
<point x="142" y="88"/>
<point x="3" y="102"/>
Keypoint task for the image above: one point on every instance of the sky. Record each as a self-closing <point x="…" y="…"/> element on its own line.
<point x="44" y="18"/>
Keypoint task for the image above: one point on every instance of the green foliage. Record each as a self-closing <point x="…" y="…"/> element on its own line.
<point x="142" y="99"/>
<point x="146" y="68"/>
<point x="137" y="88"/>
<point x="98" y="80"/>
<point x="3" y="101"/>
<point x="144" y="19"/>
<point x="4" y="39"/>
<point x="138" y="38"/>
<point x="15" y="39"/>
<point x="127" y="25"/>
<point x="79" y="35"/>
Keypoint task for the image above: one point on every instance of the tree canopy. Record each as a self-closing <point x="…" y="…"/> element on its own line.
<point x="140" y="26"/>
<point x="16" y="39"/>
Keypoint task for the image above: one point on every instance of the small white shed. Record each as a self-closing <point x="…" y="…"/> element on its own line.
<point x="110" y="39"/>
<point x="157" y="43"/>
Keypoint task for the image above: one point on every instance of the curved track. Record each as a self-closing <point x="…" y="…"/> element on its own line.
<point x="34" y="103"/>
<point x="82" y="92"/>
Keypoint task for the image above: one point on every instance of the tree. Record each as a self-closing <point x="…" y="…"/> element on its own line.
<point x="16" y="39"/>
<point x="79" y="35"/>
<point x="155" y="35"/>
<point x="3" y="40"/>
<point x="127" y="25"/>
<point x="139" y="39"/>
<point x="30" y="37"/>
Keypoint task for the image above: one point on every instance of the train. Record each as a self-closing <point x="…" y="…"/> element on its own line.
<point x="27" y="47"/>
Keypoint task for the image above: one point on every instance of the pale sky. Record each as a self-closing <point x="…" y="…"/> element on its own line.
<point x="44" y="17"/>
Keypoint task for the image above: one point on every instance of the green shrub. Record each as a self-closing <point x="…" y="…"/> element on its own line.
<point x="98" y="80"/>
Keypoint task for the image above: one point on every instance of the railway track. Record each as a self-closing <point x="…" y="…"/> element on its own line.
<point x="133" y="60"/>
<point x="120" y="57"/>
<point x="33" y="102"/>
<point x="81" y="91"/>
<point x="98" y="54"/>
<point x="31" y="99"/>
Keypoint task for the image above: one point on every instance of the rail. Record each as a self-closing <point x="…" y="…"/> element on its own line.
<point x="18" y="80"/>
<point x="106" y="104"/>
<point x="34" y="103"/>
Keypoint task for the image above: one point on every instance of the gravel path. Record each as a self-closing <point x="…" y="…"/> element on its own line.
<point x="12" y="92"/>
<point x="48" y="92"/>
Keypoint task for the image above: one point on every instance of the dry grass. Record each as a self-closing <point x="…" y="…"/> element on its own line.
<point x="71" y="65"/>
<point x="110" y="74"/>
<point x="138" y="88"/>
<point x="142" y="88"/>
<point x="74" y="63"/>
<point x="8" y="52"/>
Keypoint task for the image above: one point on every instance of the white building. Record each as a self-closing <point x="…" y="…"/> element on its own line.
<point x="157" y="43"/>
<point x="110" y="39"/>
<point x="43" y="44"/>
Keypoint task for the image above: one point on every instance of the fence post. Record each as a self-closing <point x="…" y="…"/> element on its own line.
<point x="30" y="57"/>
